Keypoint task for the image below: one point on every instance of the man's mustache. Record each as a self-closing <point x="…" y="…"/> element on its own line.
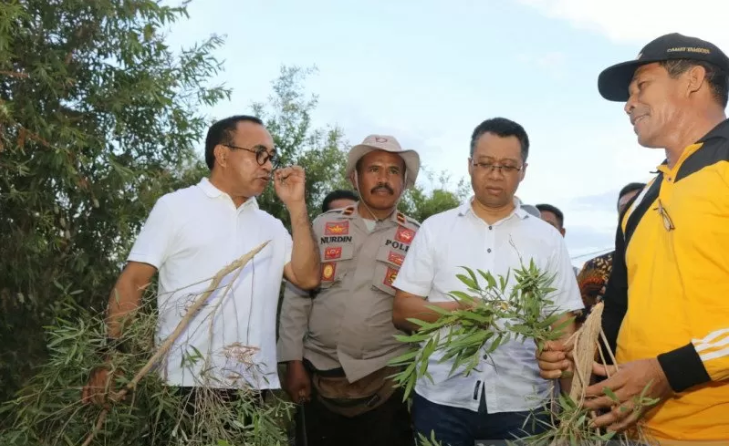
<point x="385" y="187"/>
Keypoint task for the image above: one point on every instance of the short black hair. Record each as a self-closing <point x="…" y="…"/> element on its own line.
<point x="628" y="188"/>
<point x="222" y="133"/>
<point x="553" y="209"/>
<point x="717" y="78"/>
<point x="337" y="195"/>
<point x="503" y="128"/>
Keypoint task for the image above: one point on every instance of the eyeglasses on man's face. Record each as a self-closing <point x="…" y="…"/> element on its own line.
<point x="502" y="168"/>
<point x="261" y="152"/>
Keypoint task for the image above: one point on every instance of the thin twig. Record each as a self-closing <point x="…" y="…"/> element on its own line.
<point x="164" y="348"/>
<point x="610" y="352"/>
<point x="97" y="426"/>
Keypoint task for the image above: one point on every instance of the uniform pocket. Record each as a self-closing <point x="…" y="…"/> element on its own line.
<point x="387" y="265"/>
<point x="334" y="263"/>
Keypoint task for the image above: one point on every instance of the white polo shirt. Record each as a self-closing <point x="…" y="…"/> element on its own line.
<point x="455" y="238"/>
<point x="189" y="236"/>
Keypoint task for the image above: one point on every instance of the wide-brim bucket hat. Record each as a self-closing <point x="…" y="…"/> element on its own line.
<point x="386" y="143"/>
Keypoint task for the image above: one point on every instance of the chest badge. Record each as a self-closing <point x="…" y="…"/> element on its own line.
<point x="390" y="276"/>
<point x="395" y="258"/>
<point x="327" y="272"/>
<point x="404" y="235"/>
<point x="336" y="228"/>
<point x="333" y="253"/>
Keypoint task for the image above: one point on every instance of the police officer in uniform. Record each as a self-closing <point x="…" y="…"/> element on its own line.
<point x="337" y="344"/>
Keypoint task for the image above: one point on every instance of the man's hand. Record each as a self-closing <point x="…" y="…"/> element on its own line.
<point x="555" y="360"/>
<point x="101" y="384"/>
<point x="290" y="183"/>
<point x="627" y="385"/>
<point x="298" y="383"/>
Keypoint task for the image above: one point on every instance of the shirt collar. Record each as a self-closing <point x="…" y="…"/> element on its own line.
<point x="213" y="192"/>
<point x="466" y="207"/>
<point x="396" y="217"/>
<point x="721" y="130"/>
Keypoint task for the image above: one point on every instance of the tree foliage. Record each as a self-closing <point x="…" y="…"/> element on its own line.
<point x="98" y="118"/>
<point x="420" y="203"/>
<point x="322" y="152"/>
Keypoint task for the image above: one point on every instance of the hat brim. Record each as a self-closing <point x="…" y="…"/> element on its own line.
<point x="411" y="158"/>
<point x="614" y="81"/>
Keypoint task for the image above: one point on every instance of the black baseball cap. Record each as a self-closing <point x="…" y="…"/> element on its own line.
<point x="613" y="82"/>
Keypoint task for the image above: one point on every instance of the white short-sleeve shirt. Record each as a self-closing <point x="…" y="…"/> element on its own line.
<point x="447" y="241"/>
<point x="189" y="236"/>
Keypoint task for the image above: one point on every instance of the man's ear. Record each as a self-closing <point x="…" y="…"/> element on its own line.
<point x="695" y="77"/>
<point x="221" y="155"/>
<point x="522" y="172"/>
<point x="353" y="180"/>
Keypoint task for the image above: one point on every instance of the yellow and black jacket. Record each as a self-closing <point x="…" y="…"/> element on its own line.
<point x="668" y="294"/>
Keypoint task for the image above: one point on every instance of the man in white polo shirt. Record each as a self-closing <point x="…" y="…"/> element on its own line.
<point x="492" y="233"/>
<point x="194" y="232"/>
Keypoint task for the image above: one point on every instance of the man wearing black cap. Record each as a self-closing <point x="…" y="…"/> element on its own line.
<point x="667" y="302"/>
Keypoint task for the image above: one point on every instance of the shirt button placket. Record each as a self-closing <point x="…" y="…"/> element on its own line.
<point x="486" y="384"/>
<point x="490" y="239"/>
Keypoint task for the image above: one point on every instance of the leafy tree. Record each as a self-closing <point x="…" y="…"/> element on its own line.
<point x="419" y="203"/>
<point x="321" y="152"/>
<point x="99" y="118"/>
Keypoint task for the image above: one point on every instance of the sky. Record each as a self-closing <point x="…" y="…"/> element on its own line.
<point x="429" y="71"/>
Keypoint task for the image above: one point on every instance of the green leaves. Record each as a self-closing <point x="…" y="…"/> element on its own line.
<point x="468" y="335"/>
<point x="48" y="411"/>
<point x="610" y="394"/>
<point x="99" y="118"/>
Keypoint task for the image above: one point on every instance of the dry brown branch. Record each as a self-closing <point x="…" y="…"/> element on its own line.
<point x="15" y="74"/>
<point x="167" y="344"/>
<point x="97" y="426"/>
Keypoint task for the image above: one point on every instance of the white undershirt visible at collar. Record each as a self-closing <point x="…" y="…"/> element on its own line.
<point x="370" y="224"/>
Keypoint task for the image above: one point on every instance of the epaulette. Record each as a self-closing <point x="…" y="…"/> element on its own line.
<point x="403" y="219"/>
<point x="340" y="211"/>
